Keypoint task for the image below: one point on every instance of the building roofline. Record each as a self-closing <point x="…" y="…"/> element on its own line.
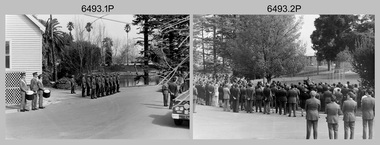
<point x="37" y="23"/>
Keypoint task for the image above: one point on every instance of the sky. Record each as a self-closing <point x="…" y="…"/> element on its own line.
<point x="113" y="29"/>
<point x="306" y="30"/>
<point x="116" y="30"/>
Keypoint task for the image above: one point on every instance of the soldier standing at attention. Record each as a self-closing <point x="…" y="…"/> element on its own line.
<point x="40" y="92"/>
<point x="106" y="80"/>
<point x="103" y="84"/>
<point x="23" y="89"/>
<point x="72" y="84"/>
<point x="84" y="85"/>
<point x="312" y="106"/>
<point x="34" y="88"/>
<point x="93" y="88"/>
<point x="368" y="111"/>
<point x="112" y="84"/>
<point x="98" y="85"/>
<point x="333" y="111"/>
<point x="89" y="85"/>
<point x="118" y="82"/>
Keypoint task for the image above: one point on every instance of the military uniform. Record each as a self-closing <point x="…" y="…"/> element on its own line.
<point x="118" y="82"/>
<point x="23" y="89"/>
<point x="89" y="85"/>
<point x="84" y="85"/>
<point x="98" y="85"/>
<point x="34" y="88"/>
<point x="103" y="85"/>
<point x="107" y="81"/>
<point x="93" y="88"/>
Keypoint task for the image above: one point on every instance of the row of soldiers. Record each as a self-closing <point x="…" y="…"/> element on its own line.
<point x="99" y="85"/>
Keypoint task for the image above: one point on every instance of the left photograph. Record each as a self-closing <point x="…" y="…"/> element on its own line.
<point x="97" y="76"/>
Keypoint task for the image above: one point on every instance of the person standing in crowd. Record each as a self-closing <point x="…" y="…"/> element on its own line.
<point x="235" y="92"/>
<point x="89" y="85"/>
<point x="344" y="93"/>
<point x="23" y="89"/>
<point x="216" y="95"/>
<point x="249" y="98"/>
<point x="72" y="84"/>
<point x="173" y="91"/>
<point x="368" y="114"/>
<point x="303" y="97"/>
<point x="84" y="85"/>
<point x="211" y="93"/>
<point x="165" y="93"/>
<point x="292" y="100"/>
<point x="243" y="96"/>
<point x="259" y="97"/>
<point x="34" y="88"/>
<point x="220" y="92"/>
<point x="195" y="94"/>
<point x="327" y="95"/>
<point x="333" y="111"/>
<point x="93" y="87"/>
<point x="267" y="99"/>
<point x="339" y="96"/>
<point x="226" y="98"/>
<point x="207" y="95"/>
<point x="282" y="96"/>
<point x="40" y="92"/>
<point x="349" y="118"/>
<point x="103" y="85"/>
<point x="274" y="97"/>
<point x="312" y="106"/>
<point x="98" y="85"/>
<point x="107" y="82"/>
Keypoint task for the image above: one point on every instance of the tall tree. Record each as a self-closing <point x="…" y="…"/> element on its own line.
<point x="330" y="36"/>
<point x="364" y="60"/>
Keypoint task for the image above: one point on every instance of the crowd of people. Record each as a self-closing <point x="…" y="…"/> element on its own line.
<point x="239" y="94"/>
<point x="175" y="86"/>
<point x="100" y="85"/>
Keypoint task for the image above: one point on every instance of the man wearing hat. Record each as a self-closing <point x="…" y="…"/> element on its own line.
<point x="89" y="85"/>
<point x="93" y="88"/>
<point x="23" y="88"/>
<point x="40" y="92"/>
<point x="34" y="88"/>
<point x="84" y="85"/>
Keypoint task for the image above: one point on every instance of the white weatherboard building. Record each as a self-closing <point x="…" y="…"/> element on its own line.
<point x="23" y="51"/>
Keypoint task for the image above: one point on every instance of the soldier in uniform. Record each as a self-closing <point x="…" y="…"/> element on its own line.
<point x="89" y="85"/>
<point x="103" y="85"/>
<point x="118" y="82"/>
<point x="40" y="92"/>
<point x="112" y="84"/>
<point x="259" y="97"/>
<point x="34" y="88"/>
<point x="98" y="85"/>
<point x="84" y="85"/>
<point x="333" y="111"/>
<point x="93" y="88"/>
<point x="23" y="89"/>
<point x="107" y="80"/>
<point x="349" y="118"/>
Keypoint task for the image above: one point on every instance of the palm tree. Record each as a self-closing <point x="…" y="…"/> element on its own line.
<point x="53" y="38"/>
<point x="88" y="28"/>
<point x="127" y="28"/>
<point x="70" y="27"/>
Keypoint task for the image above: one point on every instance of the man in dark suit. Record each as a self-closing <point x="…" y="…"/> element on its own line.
<point x="23" y="89"/>
<point x="173" y="91"/>
<point x="368" y="113"/>
<point x="207" y="94"/>
<point x="333" y="111"/>
<point x="312" y="106"/>
<point x="349" y="118"/>
<point x="259" y="97"/>
<point x="235" y="92"/>
<point x="211" y="92"/>
<point x="34" y="88"/>
<point x="243" y="96"/>
<point x="250" y="93"/>
<point x="220" y="90"/>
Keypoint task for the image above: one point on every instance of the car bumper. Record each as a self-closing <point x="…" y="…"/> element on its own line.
<point x="180" y="116"/>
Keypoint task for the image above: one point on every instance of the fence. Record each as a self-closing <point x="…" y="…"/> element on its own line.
<point x="12" y="88"/>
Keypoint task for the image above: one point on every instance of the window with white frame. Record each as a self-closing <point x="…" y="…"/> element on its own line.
<point x="7" y="55"/>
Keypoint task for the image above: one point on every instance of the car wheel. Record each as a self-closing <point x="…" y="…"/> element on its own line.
<point x="178" y="122"/>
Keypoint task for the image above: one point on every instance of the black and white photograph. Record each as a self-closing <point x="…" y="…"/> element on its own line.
<point x="97" y="76"/>
<point x="283" y="76"/>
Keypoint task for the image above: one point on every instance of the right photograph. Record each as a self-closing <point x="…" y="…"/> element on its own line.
<point x="283" y="76"/>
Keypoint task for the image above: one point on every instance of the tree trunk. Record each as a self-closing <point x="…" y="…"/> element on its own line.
<point x="214" y="51"/>
<point x="203" y="52"/>
<point x="146" y="47"/>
